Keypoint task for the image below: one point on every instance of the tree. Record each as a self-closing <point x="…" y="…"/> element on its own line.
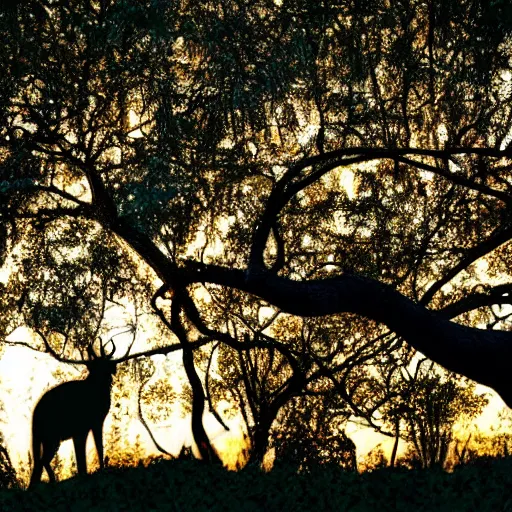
<point x="213" y="141"/>
<point x="311" y="432"/>
<point x="427" y="408"/>
<point x="277" y="365"/>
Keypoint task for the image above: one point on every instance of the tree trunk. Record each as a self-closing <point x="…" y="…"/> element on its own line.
<point x="201" y="439"/>
<point x="392" y="460"/>
<point x="260" y="439"/>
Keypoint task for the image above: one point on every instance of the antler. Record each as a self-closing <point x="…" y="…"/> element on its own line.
<point x="102" y="349"/>
<point x="92" y="354"/>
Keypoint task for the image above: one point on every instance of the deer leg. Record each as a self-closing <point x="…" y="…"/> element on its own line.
<point x="49" y="450"/>
<point x="36" y="472"/>
<point x="79" y="442"/>
<point x="38" y="467"/>
<point x="97" y="432"/>
<point x="50" y="472"/>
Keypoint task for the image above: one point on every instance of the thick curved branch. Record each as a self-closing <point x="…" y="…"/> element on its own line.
<point x="284" y="191"/>
<point x="164" y="267"/>
<point x="291" y="184"/>
<point x="101" y="199"/>
<point x="392" y="154"/>
<point x="481" y="355"/>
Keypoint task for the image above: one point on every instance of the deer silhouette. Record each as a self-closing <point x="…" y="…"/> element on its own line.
<point x="72" y="410"/>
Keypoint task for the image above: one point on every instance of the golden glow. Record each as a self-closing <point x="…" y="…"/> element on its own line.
<point x="348" y="183"/>
<point x="134" y="120"/>
<point x="233" y="448"/>
<point x="4" y="274"/>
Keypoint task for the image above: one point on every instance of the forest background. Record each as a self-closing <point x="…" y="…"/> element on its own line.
<point x="307" y="204"/>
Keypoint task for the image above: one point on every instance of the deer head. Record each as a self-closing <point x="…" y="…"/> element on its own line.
<point x="72" y="410"/>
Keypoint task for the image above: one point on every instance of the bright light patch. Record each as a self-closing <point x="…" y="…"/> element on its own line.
<point x="506" y="140"/>
<point x="330" y="268"/>
<point x="442" y="133"/>
<point x="252" y="148"/>
<point x="134" y="120"/>
<point x="4" y="275"/>
<point x="308" y="134"/>
<point x="347" y="183"/>
<point x="506" y="75"/>
<point x="264" y="314"/>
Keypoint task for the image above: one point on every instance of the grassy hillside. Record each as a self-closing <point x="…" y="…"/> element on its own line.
<point x="191" y="485"/>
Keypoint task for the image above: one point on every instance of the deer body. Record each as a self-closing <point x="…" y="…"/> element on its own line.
<point x="72" y="410"/>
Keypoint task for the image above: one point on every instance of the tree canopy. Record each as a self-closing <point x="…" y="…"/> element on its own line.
<point x="324" y="157"/>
